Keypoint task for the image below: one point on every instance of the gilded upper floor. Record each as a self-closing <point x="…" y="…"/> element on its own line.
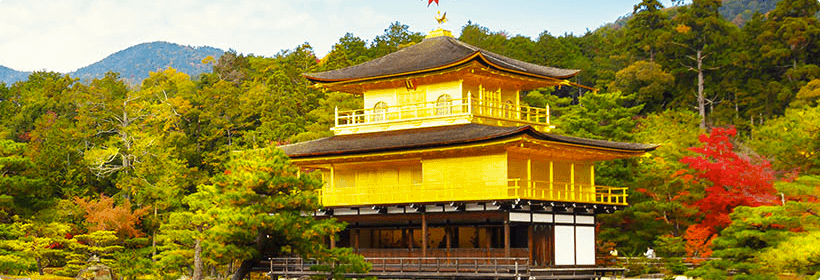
<point x="440" y="81"/>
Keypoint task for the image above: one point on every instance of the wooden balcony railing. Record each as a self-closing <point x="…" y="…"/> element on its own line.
<point x="473" y="191"/>
<point x="501" y="111"/>
<point x="419" y="267"/>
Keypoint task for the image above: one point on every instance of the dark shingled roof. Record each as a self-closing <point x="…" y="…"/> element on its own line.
<point x="432" y="53"/>
<point x="436" y="137"/>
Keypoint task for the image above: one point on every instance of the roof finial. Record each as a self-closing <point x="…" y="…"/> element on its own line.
<point x="441" y="19"/>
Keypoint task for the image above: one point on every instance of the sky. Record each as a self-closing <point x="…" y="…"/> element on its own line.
<point x="64" y="35"/>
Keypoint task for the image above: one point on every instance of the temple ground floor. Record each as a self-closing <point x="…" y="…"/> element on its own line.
<point x="544" y="238"/>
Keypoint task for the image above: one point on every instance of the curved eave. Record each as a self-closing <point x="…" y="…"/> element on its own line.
<point x="477" y="55"/>
<point x="394" y="145"/>
<point x="489" y="139"/>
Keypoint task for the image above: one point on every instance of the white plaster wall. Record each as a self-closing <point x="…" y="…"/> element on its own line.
<point x="585" y="245"/>
<point x="564" y="245"/>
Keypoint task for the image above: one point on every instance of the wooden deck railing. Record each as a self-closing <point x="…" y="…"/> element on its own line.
<point x="447" y="268"/>
<point x="520" y="115"/>
<point x="486" y="266"/>
<point x="442" y="253"/>
<point x="473" y="190"/>
<point x="473" y="265"/>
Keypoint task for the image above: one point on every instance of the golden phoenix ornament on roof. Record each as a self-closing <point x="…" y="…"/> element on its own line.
<point x="441" y="18"/>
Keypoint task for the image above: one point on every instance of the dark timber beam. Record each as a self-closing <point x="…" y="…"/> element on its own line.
<point x="507" y="237"/>
<point x="424" y="235"/>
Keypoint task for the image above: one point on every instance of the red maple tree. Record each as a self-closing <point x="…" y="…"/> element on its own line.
<point x="698" y="243"/>
<point x="733" y="179"/>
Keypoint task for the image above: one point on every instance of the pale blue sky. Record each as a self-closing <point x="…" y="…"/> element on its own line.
<point x="67" y="34"/>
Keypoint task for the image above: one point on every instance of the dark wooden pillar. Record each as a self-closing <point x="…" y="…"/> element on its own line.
<point x="332" y="241"/>
<point x="507" y="236"/>
<point x="488" y="240"/>
<point x="423" y="235"/>
<point x="411" y="239"/>
<point x="448" y="234"/>
<point x="377" y="239"/>
<point x="356" y="234"/>
<point x="530" y="239"/>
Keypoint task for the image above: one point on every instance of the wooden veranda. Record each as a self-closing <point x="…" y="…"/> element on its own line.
<point x="446" y="268"/>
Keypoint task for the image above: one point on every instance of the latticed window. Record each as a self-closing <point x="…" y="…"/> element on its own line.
<point x="380" y="111"/>
<point x="508" y="109"/>
<point x="444" y="105"/>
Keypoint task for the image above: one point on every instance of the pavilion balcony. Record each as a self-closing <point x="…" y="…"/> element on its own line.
<point x="430" y="192"/>
<point x="437" y="113"/>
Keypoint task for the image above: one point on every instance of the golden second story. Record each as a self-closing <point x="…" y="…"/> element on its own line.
<point x="440" y="81"/>
<point x="437" y="104"/>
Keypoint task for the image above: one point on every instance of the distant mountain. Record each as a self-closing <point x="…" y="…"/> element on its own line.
<point x="135" y="63"/>
<point x="741" y="11"/>
<point x="9" y="76"/>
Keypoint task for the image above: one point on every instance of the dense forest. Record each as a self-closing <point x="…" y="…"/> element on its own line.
<point x="165" y="179"/>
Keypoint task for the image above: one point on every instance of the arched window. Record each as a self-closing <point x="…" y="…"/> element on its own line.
<point x="444" y="105"/>
<point x="380" y="111"/>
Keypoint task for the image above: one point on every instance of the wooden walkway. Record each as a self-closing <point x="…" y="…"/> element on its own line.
<point x="447" y="268"/>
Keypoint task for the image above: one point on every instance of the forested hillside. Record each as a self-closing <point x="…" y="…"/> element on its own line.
<point x="741" y="11"/>
<point x="154" y="179"/>
<point x="8" y="75"/>
<point x="134" y="63"/>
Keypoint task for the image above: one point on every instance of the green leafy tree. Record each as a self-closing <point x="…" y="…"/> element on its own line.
<point x="652" y="86"/>
<point x="482" y="37"/>
<point x="39" y="242"/>
<point x="21" y="193"/>
<point x="791" y="141"/>
<point x="89" y="248"/>
<point x="791" y="32"/>
<point x="659" y="198"/>
<point x="600" y="116"/>
<point x="258" y="204"/>
<point x="809" y="95"/>
<point x="133" y="262"/>
<point x="181" y="238"/>
<point x="645" y="27"/>
<point x="350" y="50"/>
<point x="11" y="259"/>
<point x="799" y="254"/>
<point x="338" y="262"/>
<point x="396" y="36"/>
<point x="701" y="37"/>
<point x="42" y="93"/>
<point x="321" y="119"/>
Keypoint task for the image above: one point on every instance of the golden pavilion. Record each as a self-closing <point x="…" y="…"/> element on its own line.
<point x="446" y="161"/>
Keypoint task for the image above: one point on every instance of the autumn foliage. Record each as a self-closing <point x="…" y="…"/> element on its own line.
<point x="732" y="179"/>
<point x="698" y="243"/>
<point x="102" y="214"/>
